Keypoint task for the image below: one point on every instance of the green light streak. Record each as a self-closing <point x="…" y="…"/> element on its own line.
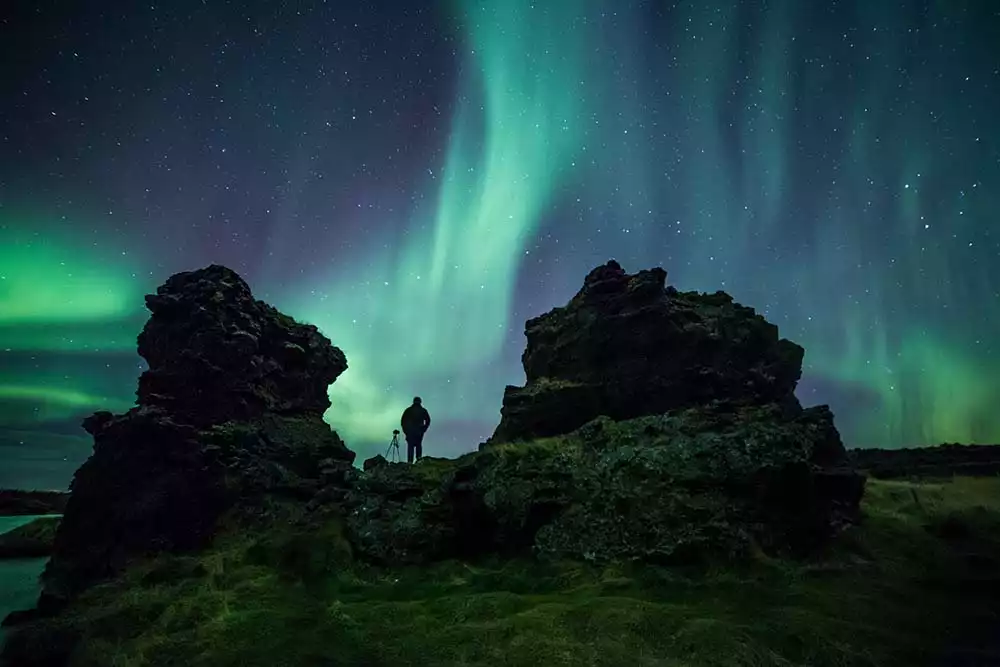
<point x="44" y="278"/>
<point x="443" y="301"/>
<point x="22" y="405"/>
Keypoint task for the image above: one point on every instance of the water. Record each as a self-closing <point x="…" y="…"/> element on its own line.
<point x="18" y="576"/>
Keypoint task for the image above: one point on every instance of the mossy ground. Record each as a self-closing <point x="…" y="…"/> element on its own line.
<point x="920" y="575"/>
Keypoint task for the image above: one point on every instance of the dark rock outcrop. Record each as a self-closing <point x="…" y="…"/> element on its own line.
<point x="692" y="484"/>
<point x="216" y="354"/>
<point x="17" y="502"/>
<point x="626" y="346"/>
<point x="654" y="426"/>
<point x="230" y="410"/>
<point x="941" y="461"/>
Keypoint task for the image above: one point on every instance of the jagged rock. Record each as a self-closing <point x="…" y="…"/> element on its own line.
<point x="374" y="462"/>
<point x="216" y="354"/>
<point x="229" y="412"/>
<point x="625" y="346"/>
<point x="654" y="425"/>
<point x="402" y="513"/>
<point x="695" y="483"/>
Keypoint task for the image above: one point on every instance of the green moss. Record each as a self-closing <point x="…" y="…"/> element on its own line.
<point x="894" y="591"/>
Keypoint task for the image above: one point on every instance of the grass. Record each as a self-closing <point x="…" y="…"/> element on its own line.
<point x="920" y="574"/>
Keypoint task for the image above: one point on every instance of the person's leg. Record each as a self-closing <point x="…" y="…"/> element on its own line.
<point x="410" y="442"/>
<point x="420" y="446"/>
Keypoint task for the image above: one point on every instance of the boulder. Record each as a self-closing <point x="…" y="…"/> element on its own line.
<point x="229" y="412"/>
<point x="627" y="346"/>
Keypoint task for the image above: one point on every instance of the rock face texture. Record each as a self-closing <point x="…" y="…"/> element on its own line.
<point x="654" y="425"/>
<point x="626" y="346"/>
<point x="216" y="354"/>
<point x="230" y="409"/>
<point x="691" y="484"/>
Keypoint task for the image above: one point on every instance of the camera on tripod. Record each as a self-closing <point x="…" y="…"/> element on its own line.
<point x="392" y="451"/>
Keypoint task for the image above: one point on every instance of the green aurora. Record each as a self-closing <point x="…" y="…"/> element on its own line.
<point x="692" y="146"/>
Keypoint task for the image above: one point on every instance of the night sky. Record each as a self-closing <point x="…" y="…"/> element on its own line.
<point x="418" y="178"/>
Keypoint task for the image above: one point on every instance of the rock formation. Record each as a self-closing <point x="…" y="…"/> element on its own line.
<point x="230" y="409"/>
<point x="216" y="354"/>
<point x="655" y="425"/>
<point x="625" y="346"/>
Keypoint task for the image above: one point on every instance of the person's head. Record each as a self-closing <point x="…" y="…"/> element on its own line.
<point x="416" y="400"/>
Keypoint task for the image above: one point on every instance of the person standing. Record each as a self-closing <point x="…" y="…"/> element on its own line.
<point x="415" y="421"/>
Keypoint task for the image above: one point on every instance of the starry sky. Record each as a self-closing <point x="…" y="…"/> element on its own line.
<point x="418" y="178"/>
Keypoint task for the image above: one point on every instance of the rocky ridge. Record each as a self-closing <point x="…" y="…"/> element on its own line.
<point x="627" y="346"/>
<point x="655" y="426"/>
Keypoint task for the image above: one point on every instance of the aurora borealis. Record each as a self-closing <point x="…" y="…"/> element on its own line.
<point x="417" y="179"/>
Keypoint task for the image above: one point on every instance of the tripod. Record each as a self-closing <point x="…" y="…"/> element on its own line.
<point x="392" y="451"/>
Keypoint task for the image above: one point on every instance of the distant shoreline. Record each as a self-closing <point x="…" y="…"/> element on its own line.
<point x="17" y="502"/>
<point x="939" y="461"/>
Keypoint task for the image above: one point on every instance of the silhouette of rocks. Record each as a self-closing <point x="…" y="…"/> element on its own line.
<point x="625" y="346"/>
<point x="216" y="354"/>
<point x="229" y="411"/>
<point x="654" y="426"/>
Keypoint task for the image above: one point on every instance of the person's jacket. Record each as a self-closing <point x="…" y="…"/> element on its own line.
<point x="415" y="419"/>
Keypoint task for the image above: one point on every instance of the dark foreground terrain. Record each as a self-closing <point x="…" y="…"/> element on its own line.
<point x="915" y="584"/>
<point x="653" y="495"/>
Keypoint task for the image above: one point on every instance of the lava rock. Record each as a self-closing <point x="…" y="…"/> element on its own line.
<point x="229" y="412"/>
<point x="654" y="425"/>
<point x="626" y="346"/>
<point x="376" y="461"/>
<point x="216" y="354"/>
<point x="689" y="485"/>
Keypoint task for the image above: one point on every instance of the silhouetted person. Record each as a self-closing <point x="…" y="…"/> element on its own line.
<point x="415" y="421"/>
